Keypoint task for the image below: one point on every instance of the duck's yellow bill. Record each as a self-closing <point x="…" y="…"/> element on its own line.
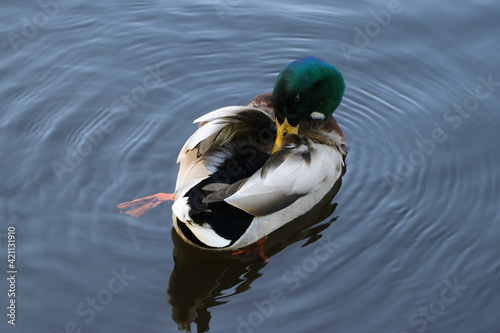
<point x="283" y="130"/>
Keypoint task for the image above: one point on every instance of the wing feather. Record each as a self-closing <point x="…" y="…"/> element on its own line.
<point x="199" y="157"/>
<point x="286" y="177"/>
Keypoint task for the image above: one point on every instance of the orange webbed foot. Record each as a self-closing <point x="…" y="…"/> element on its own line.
<point x="258" y="246"/>
<point x="137" y="207"/>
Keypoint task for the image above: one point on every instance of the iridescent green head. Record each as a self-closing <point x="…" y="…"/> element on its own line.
<point x="307" y="88"/>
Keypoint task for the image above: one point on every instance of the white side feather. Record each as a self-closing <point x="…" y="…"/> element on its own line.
<point x="207" y="235"/>
<point x="264" y="225"/>
<point x="292" y="177"/>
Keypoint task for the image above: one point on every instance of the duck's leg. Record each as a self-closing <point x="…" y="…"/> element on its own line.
<point x="137" y="207"/>
<point x="257" y="246"/>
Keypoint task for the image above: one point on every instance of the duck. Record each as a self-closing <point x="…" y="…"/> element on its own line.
<point x="249" y="170"/>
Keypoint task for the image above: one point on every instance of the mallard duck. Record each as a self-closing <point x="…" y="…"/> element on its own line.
<point x="248" y="170"/>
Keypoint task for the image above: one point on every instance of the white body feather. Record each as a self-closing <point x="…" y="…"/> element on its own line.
<point x="306" y="182"/>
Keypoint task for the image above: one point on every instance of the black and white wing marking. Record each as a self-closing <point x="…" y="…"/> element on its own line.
<point x="289" y="174"/>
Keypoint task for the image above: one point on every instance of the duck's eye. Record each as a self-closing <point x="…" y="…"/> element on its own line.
<point x="297" y="98"/>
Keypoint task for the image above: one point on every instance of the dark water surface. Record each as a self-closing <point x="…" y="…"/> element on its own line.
<point x="98" y="98"/>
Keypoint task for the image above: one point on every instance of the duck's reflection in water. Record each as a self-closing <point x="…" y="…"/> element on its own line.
<point x="200" y="277"/>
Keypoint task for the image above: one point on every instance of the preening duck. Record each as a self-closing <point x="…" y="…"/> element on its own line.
<point x="248" y="170"/>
